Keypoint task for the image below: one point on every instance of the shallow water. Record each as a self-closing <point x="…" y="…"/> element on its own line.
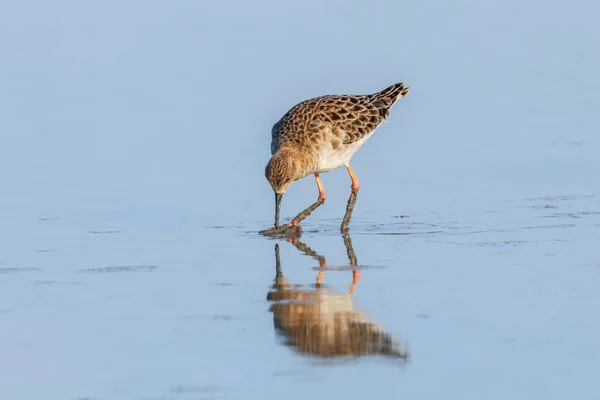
<point x="134" y="140"/>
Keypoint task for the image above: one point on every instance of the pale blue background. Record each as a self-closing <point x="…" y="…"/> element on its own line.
<point x="131" y="130"/>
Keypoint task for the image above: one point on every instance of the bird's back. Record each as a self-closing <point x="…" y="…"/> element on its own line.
<point x="343" y="119"/>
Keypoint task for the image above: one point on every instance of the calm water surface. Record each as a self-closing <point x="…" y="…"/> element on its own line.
<point x="133" y="144"/>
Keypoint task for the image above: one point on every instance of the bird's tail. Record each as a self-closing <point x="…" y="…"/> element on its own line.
<point x="385" y="99"/>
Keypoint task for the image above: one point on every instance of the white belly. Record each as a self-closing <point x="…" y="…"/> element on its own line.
<point x="330" y="158"/>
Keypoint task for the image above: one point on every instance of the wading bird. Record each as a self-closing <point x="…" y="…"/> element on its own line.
<point x="320" y="135"/>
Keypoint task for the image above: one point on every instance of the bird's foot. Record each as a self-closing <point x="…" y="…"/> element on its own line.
<point x="290" y="230"/>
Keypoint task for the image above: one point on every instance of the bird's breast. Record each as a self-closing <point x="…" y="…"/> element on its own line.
<point x="331" y="157"/>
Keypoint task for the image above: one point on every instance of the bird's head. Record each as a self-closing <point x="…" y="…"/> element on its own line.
<point x="281" y="172"/>
<point x="282" y="169"/>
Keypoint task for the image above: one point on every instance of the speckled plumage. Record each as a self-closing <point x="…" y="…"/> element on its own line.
<point x="329" y="129"/>
<point x="320" y="135"/>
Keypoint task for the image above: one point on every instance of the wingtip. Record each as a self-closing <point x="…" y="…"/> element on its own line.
<point x="400" y="88"/>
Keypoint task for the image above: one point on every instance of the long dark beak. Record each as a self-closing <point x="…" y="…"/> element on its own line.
<point x="278" y="197"/>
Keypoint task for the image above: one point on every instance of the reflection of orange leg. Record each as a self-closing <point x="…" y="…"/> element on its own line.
<point x="322" y="265"/>
<point x="355" y="279"/>
<point x="320" y="278"/>
<point x="351" y="201"/>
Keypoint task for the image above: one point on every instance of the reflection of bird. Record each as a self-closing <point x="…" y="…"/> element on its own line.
<point x="322" y="323"/>
<point x="322" y="134"/>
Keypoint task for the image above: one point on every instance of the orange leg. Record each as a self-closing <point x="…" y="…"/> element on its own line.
<point x="351" y="201"/>
<point x="355" y="183"/>
<point x="322" y="196"/>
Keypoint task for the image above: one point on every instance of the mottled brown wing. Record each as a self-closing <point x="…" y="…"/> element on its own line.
<point x="353" y="116"/>
<point x="361" y="115"/>
<point x="294" y="125"/>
